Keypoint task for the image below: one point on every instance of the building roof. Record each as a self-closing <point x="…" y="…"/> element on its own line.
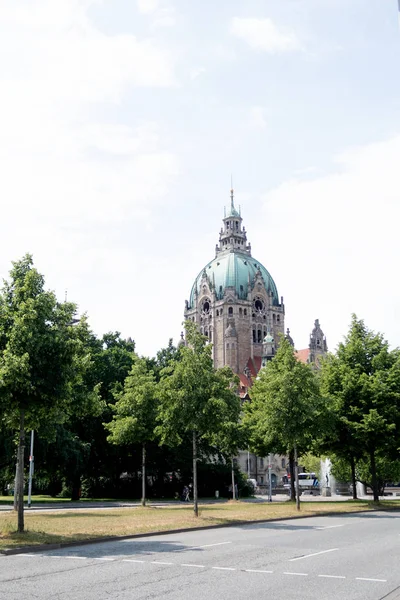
<point x="234" y="270"/>
<point x="303" y="355"/>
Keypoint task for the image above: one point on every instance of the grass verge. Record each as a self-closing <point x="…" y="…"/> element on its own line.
<point x="71" y="526"/>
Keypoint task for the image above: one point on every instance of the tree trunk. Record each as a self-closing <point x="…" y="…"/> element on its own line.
<point x="143" y="474"/>
<point x="233" y="480"/>
<point x="76" y="488"/>
<point x="353" y="476"/>
<point x="375" y="487"/>
<point x="296" y="472"/>
<point x="292" y="476"/>
<point x="195" y="499"/>
<point x="20" y="478"/>
<point x="15" y="490"/>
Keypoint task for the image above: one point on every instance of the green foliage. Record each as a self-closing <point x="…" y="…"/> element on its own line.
<point x="135" y="407"/>
<point x="42" y="356"/>
<point x="387" y="471"/>
<point x="362" y="385"/>
<point x="285" y="408"/>
<point x="194" y="397"/>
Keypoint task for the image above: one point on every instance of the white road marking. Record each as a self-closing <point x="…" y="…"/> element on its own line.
<point x="313" y="554"/>
<point x="204" y="546"/>
<point x="331" y="526"/>
<point x="159" y="562"/>
<point x="132" y="560"/>
<point x="370" y="579"/>
<point x="257" y="571"/>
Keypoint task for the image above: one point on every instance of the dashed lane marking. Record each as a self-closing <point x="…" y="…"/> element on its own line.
<point x="198" y="547"/>
<point x="134" y="560"/>
<point x="256" y="571"/>
<point x="370" y="579"/>
<point x="313" y="554"/>
<point x="196" y="566"/>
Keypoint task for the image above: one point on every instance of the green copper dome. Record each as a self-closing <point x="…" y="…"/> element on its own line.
<point x="234" y="269"/>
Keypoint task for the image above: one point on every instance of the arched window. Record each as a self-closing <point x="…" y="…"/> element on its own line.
<point x="259" y="336"/>
<point x="245" y="312"/>
<point x="254" y="335"/>
<point x="240" y="311"/>
<point x="217" y="313"/>
<point x="230" y="311"/>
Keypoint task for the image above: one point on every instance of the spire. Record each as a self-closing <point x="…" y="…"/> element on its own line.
<point x="233" y="236"/>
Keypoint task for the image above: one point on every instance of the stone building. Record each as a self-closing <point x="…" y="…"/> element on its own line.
<point x="234" y="301"/>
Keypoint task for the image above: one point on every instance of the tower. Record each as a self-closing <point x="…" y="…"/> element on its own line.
<point x="234" y="300"/>
<point x="318" y="346"/>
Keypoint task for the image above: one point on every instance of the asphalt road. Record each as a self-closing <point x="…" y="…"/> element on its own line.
<point x="356" y="557"/>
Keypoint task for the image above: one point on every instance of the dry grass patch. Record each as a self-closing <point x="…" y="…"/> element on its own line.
<point x="71" y="526"/>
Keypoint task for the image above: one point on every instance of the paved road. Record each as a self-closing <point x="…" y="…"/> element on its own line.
<point x="356" y="557"/>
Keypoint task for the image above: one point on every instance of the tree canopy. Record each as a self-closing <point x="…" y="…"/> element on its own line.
<point x="285" y="410"/>
<point x="196" y="399"/>
<point x="362" y="383"/>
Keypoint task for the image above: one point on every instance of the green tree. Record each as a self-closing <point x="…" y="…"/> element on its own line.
<point x="196" y="399"/>
<point x="387" y="471"/>
<point x="41" y="357"/>
<point x="135" y="413"/>
<point x="362" y="382"/>
<point x="285" y="410"/>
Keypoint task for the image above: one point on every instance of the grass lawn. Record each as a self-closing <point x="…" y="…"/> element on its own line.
<point x="68" y="525"/>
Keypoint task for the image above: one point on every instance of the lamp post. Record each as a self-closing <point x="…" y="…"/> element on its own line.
<point x="31" y="468"/>
<point x="270" y="477"/>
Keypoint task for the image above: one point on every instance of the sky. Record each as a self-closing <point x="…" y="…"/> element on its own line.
<point x="122" y="122"/>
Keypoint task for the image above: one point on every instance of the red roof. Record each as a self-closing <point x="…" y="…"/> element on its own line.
<point x="303" y="355"/>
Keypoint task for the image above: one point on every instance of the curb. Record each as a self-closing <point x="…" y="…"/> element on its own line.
<point x="115" y="538"/>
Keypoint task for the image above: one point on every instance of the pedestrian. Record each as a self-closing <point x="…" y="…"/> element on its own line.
<point x="186" y="494"/>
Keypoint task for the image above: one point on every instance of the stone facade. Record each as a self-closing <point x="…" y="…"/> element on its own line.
<point x="234" y="300"/>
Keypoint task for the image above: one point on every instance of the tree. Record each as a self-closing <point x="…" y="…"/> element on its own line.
<point x="196" y="399"/>
<point x="362" y="382"/>
<point x="135" y="413"/>
<point x="41" y="357"/>
<point x="387" y="471"/>
<point x="285" y="409"/>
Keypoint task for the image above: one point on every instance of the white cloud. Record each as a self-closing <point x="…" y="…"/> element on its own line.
<point x="264" y="34"/>
<point x="163" y="15"/>
<point x="196" y="72"/>
<point x="147" y="6"/>
<point x="78" y="190"/>
<point x="337" y="237"/>
<point x="257" y="118"/>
